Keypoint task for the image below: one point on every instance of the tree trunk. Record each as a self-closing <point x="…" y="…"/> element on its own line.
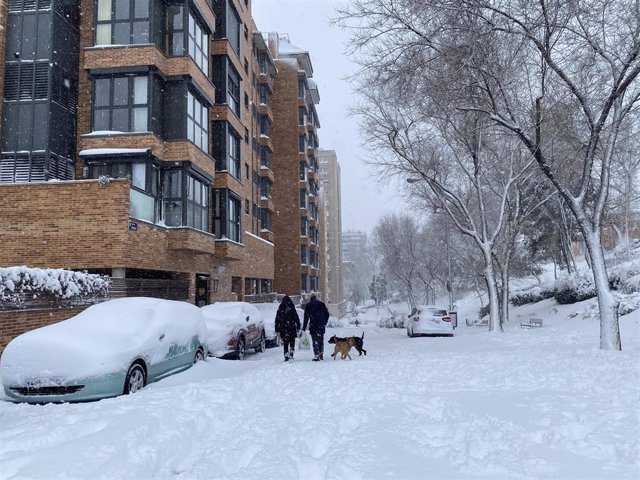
<point x="492" y="288"/>
<point x="504" y="272"/>
<point x="607" y="304"/>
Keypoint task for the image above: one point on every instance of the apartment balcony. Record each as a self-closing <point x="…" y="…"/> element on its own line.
<point x="266" y="80"/>
<point x="266" y="172"/>
<point x="265" y="141"/>
<point x="224" y="114"/>
<point x="267" y="235"/>
<point x="116" y="239"/>
<point x="311" y="150"/>
<point x="311" y="127"/>
<point x="314" y="246"/>
<point x="311" y="174"/>
<point x="191" y="240"/>
<point x="266" y="202"/>
<point x="312" y="198"/>
<point x="265" y="109"/>
<point x="109" y="57"/>
<point x="173" y="151"/>
<point x="312" y="221"/>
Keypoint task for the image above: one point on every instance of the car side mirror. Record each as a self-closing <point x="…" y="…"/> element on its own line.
<point x="414" y="310"/>
<point x="247" y="319"/>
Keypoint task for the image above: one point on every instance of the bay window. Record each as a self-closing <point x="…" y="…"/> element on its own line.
<point x="197" y="122"/>
<point x="122" y="22"/>
<point x="121" y="104"/>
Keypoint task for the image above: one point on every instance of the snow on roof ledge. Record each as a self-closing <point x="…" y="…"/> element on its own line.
<point x="92" y="152"/>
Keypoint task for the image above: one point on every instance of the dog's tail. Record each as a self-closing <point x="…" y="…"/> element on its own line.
<point x="362" y="337"/>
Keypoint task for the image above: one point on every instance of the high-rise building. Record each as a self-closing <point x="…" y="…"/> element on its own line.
<point x="329" y="176"/>
<point x="354" y="246"/>
<point x="298" y="255"/>
<point x="161" y="113"/>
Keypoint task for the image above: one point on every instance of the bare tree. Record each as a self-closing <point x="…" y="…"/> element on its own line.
<point x="531" y="68"/>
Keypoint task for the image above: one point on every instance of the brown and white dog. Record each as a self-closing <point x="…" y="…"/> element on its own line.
<point x="344" y="344"/>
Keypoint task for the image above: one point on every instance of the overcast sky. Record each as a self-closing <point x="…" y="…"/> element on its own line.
<point x="306" y="22"/>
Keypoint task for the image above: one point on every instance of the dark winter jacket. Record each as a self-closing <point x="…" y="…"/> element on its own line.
<point x="287" y="320"/>
<point x="316" y="316"/>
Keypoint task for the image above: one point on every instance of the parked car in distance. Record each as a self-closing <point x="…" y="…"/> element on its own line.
<point x="269" y="311"/>
<point x="232" y="328"/>
<point x="429" y="320"/>
<point x="112" y="348"/>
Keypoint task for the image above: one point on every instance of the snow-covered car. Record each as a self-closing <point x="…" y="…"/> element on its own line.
<point x="429" y="320"/>
<point x="109" y="349"/>
<point x="232" y="328"/>
<point x="269" y="311"/>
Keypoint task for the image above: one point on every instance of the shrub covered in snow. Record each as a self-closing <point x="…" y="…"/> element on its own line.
<point x="626" y="277"/>
<point x="395" y="321"/>
<point x="574" y="288"/>
<point x="17" y="284"/>
<point x="531" y="295"/>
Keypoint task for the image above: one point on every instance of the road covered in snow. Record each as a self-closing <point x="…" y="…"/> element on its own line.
<point x="527" y="404"/>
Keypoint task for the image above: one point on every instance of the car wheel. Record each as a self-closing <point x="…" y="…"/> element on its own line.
<point x="410" y="334"/>
<point x="262" y="345"/>
<point x="136" y="379"/>
<point x="240" y="348"/>
<point x="199" y="356"/>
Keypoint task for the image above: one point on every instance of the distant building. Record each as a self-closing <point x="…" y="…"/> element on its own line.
<point x="297" y="222"/>
<point x="329" y="175"/>
<point x="354" y="246"/>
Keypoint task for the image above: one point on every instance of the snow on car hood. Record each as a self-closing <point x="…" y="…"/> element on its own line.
<point x="102" y="339"/>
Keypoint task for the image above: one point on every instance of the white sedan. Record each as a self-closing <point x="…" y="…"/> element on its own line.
<point x="429" y="320"/>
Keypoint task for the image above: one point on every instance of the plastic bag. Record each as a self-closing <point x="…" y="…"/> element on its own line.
<point x="304" y="342"/>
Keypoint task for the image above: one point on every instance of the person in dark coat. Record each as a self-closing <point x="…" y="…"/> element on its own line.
<point x="287" y="326"/>
<point x="316" y="317"/>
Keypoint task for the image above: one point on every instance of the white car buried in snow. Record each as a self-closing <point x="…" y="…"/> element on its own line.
<point x="232" y="328"/>
<point x="109" y="349"/>
<point x="429" y="320"/>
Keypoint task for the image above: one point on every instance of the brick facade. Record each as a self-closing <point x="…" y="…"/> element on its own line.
<point x="13" y="323"/>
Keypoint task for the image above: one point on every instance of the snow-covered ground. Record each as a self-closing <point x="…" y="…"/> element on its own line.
<point x="543" y="403"/>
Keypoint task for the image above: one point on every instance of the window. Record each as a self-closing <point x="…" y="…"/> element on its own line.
<point x="303" y="170"/>
<point x="122" y="22"/>
<point x="265" y="125"/>
<point x="302" y="88"/>
<point x="197" y="204"/>
<point x="143" y="195"/>
<point x="233" y="91"/>
<point x="303" y="198"/>
<point x="302" y="116"/>
<point x="198" y="44"/>
<point x="266" y="219"/>
<point x="247" y="206"/>
<point x="175" y="30"/>
<point x="246" y="135"/>
<point x="304" y="282"/>
<point x="302" y="144"/>
<point x="246" y="171"/>
<point x="246" y="66"/>
<point x="265" y="95"/>
<point x="303" y="254"/>
<point x="265" y="188"/>
<point x="227" y="210"/>
<point x="233" y="156"/>
<point x="246" y="100"/>
<point x="303" y="226"/>
<point x="233" y="220"/>
<point x="121" y="104"/>
<point x="246" y="31"/>
<point x="172" y="198"/>
<point x="197" y="123"/>
<point x="233" y="28"/>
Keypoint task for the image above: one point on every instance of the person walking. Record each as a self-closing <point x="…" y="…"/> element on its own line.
<point x="316" y="317"/>
<point x="287" y="326"/>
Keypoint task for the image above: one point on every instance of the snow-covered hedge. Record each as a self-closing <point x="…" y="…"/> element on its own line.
<point x="18" y="284"/>
<point x="531" y="295"/>
<point x="626" y="277"/>
<point x="574" y="288"/>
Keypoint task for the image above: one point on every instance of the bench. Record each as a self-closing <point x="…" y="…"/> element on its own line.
<point x="482" y="322"/>
<point x="531" y="323"/>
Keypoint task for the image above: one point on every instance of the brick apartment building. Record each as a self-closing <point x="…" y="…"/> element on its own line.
<point x="156" y="116"/>
<point x="299" y="252"/>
